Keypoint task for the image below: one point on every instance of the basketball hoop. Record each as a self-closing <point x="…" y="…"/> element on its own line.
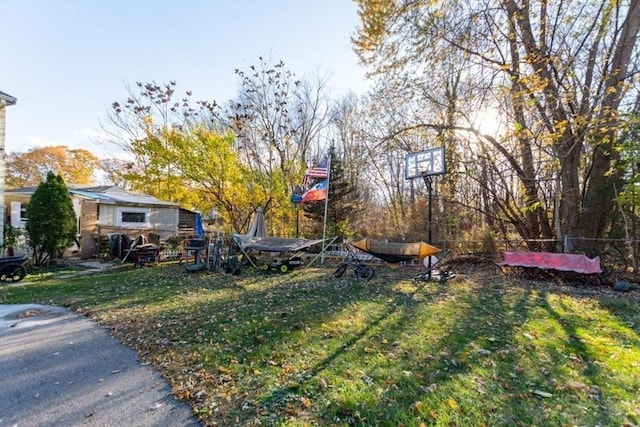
<point x="425" y="163"/>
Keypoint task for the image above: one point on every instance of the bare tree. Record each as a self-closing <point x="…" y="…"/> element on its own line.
<point x="278" y="119"/>
<point x="560" y="72"/>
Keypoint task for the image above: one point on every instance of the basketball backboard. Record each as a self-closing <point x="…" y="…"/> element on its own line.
<point x="425" y="163"/>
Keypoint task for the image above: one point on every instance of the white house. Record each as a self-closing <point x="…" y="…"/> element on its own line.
<point x="5" y="101"/>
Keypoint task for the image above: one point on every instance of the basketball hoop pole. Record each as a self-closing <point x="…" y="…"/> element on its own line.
<point x="429" y="182"/>
<point x="426" y="164"/>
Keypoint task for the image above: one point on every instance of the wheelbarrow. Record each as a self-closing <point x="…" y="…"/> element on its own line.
<point x="12" y="268"/>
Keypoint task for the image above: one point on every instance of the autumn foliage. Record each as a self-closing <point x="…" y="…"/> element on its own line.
<point x="75" y="166"/>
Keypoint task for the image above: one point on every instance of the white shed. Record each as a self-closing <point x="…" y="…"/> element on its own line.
<point x="106" y="210"/>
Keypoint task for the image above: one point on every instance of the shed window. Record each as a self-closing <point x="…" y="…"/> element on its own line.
<point x="134" y="217"/>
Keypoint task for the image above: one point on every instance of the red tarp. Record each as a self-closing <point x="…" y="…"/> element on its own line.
<point x="553" y="261"/>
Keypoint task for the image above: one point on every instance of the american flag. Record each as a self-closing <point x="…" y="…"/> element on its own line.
<point x="318" y="172"/>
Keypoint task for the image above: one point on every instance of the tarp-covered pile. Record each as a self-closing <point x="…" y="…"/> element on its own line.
<point x="275" y="244"/>
<point x="257" y="240"/>
<point x="553" y="261"/>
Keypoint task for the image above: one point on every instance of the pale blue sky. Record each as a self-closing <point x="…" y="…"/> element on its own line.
<point x="67" y="61"/>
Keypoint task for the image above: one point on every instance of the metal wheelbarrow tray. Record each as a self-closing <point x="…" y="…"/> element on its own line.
<point x="12" y="268"/>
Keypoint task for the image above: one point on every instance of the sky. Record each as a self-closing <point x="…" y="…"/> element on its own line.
<point x="67" y="61"/>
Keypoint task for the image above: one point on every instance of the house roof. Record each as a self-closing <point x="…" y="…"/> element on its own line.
<point x="23" y="190"/>
<point x="95" y="188"/>
<point x="105" y="195"/>
<point x="8" y="99"/>
<point x="124" y="197"/>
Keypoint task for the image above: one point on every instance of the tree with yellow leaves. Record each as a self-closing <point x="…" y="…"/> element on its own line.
<point x="74" y="166"/>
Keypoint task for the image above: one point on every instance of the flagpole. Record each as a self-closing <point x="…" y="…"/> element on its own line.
<point x="326" y="207"/>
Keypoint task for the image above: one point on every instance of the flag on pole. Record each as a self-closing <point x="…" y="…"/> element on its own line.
<point x="317" y="173"/>
<point x="316" y="193"/>
<point x="320" y="171"/>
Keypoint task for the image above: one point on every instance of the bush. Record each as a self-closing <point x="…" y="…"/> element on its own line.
<point x="51" y="220"/>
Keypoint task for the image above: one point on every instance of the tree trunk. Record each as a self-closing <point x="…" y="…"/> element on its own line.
<point x="599" y="198"/>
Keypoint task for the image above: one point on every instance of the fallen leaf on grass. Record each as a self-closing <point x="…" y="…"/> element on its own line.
<point x="224" y="370"/>
<point x="306" y="402"/>
<point x="575" y="385"/>
<point x="453" y="404"/>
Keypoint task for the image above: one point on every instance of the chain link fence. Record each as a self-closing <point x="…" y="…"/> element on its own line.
<point x="616" y="254"/>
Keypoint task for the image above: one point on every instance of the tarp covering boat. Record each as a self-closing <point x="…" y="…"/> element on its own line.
<point x="553" y="261"/>
<point x="393" y="252"/>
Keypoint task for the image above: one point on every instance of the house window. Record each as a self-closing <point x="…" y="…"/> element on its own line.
<point x="23" y="211"/>
<point x="134" y="217"/>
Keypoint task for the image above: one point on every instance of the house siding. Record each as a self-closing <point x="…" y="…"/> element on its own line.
<point x="158" y="218"/>
<point x="88" y="217"/>
<point x="165" y="219"/>
<point x="106" y="215"/>
<point x="186" y="222"/>
<point x="162" y="223"/>
<point x="5" y="100"/>
<point x="2" y="169"/>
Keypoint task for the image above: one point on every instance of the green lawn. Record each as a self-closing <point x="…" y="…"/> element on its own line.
<point x="304" y="348"/>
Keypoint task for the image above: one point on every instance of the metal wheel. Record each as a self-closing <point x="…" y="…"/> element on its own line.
<point x="365" y="272"/>
<point x="284" y="268"/>
<point x="13" y="273"/>
<point x="340" y="270"/>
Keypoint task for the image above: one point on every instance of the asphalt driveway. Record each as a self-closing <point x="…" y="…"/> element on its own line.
<point x="59" y="368"/>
